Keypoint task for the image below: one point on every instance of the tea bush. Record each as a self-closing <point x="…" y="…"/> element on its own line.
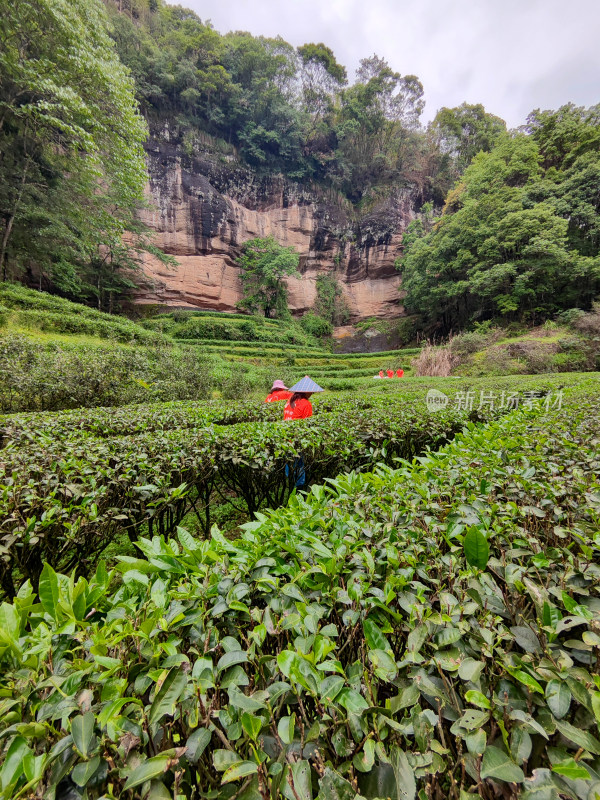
<point x="428" y="630"/>
<point x="38" y="377"/>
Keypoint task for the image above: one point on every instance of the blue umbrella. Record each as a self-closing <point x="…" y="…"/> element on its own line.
<point x="306" y="385"/>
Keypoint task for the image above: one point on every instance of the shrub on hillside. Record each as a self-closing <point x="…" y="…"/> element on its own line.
<point x="589" y="324"/>
<point x="570" y="316"/>
<point x="466" y="343"/>
<point x="316" y="326"/>
<point x="537" y="356"/>
<point x="570" y="362"/>
<point x="498" y="361"/>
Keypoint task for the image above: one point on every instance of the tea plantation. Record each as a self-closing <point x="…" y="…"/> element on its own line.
<point x="424" y="621"/>
<point x="178" y="621"/>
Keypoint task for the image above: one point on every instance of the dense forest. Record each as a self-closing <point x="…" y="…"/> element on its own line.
<point x="77" y="104"/>
<point x="519" y="236"/>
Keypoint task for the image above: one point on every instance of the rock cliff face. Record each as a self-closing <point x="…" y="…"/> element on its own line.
<point x="202" y="211"/>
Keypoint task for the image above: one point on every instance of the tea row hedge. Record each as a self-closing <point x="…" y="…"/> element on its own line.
<point x="254" y="347"/>
<point x="127" y="420"/>
<point x="64" y="499"/>
<point x="46" y="312"/>
<point x="430" y="631"/>
<point x="22" y="429"/>
<point x="235" y="330"/>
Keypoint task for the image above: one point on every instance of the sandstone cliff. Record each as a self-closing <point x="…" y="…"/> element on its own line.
<point x="203" y="209"/>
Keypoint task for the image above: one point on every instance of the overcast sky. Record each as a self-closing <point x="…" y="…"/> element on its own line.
<point x="511" y="55"/>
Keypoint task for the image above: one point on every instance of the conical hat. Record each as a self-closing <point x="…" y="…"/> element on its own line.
<point x="306" y="385"/>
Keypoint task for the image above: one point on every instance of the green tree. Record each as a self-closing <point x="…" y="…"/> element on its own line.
<point x="322" y="77"/>
<point x="331" y="304"/>
<point x="72" y="168"/>
<point x="376" y="128"/>
<point x="264" y="265"/>
<point x="518" y="237"/>
<point x="464" y="131"/>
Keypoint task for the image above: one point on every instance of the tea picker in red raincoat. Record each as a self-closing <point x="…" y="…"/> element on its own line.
<point x="279" y="391"/>
<point x="300" y="407"/>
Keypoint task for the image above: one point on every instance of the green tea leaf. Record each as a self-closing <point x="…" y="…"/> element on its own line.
<point x="223" y="759"/>
<point x="520" y="744"/>
<point x="252" y="725"/>
<point x="285" y="728"/>
<point x="579" y="737"/>
<point x="526" y="679"/>
<point x="13" y="762"/>
<point x="476" y="548"/>
<point x="470" y="669"/>
<point x="476" y="742"/>
<point x="498" y="765"/>
<point x="151" y="768"/>
<point x="477" y="699"/>
<point x="48" y="591"/>
<point x="82" y="731"/>
<point x="374" y="636"/>
<point x="300" y="774"/>
<point x="364" y="760"/>
<point x="239" y="770"/>
<point x="83" y="772"/>
<point x="406" y="786"/>
<point x="231" y="658"/>
<point x="571" y="769"/>
<point x="168" y="694"/>
<point x="558" y="697"/>
<point x="332" y="786"/>
<point x="196" y="744"/>
<point x="352" y="701"/>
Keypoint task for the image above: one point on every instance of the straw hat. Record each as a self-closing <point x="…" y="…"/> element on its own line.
<point x="278" y="385"/>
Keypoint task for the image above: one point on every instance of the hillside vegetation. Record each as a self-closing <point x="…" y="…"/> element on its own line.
<point x="56" y="354"/>
<point x="570" y="345"/>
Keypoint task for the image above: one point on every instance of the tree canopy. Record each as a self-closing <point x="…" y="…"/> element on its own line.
<point x="277" y="108"/>
<point x="264" y="265"/>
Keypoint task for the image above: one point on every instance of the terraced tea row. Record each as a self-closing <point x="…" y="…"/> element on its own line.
<point x="41" y="428"/>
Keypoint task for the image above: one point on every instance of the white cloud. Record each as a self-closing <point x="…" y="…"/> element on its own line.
<point x="511" y="55"/>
